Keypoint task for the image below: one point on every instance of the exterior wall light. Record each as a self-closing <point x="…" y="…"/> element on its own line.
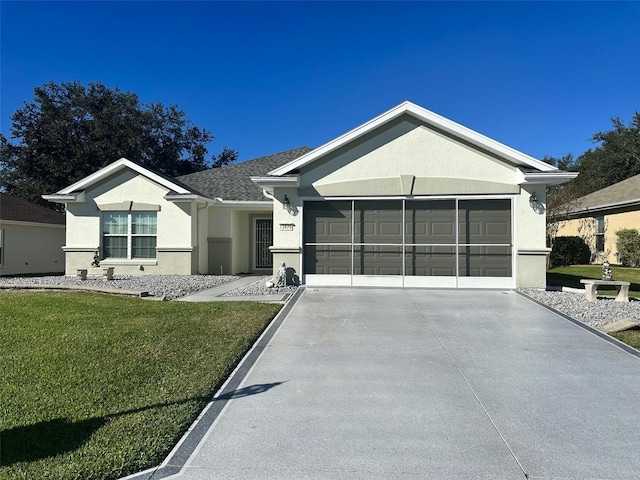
<point x="533" y="198"/>
<point x="286" y="203"/>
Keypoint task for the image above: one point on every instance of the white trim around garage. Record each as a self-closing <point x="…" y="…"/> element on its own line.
<point x="417" y="281"/>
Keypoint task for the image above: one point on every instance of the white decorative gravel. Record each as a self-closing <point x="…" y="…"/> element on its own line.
<point x="171" y="286"/>
<point x="594" y="314"/>
<point x="259" y="287"/>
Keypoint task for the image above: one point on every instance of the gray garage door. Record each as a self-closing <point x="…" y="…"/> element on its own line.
<point x="448" y="242"/>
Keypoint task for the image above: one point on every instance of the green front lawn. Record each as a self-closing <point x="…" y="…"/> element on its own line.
<point x="570" y="277"/>
<point x="96" y="386"/>
<point x="630" y="337"/>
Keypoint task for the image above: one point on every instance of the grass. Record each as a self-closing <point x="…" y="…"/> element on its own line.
<point x="630" y="337"/>
<point x="570" y="277"/>
<point x="97" y="386"/>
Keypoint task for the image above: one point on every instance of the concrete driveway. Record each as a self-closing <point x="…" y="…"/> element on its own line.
<point x="427" y="384"/>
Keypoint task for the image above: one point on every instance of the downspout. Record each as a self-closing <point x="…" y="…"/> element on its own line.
<point x="268" y="195"/>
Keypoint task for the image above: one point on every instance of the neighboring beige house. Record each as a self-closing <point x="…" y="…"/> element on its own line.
<point x="31" y="238"/>
<point x="406" y="199"/>
<point x="598" y="216"/>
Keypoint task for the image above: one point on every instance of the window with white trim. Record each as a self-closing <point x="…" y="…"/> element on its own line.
<point x="129" y="235"/>
<point x="599" y="234"/>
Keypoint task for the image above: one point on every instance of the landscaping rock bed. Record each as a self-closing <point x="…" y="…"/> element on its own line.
<point x="259" y="287"/>
<point x="169" y="286"/>
<point x="594" y="314"/>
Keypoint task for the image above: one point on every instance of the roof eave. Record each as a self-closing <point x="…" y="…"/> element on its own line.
<point x="545" y="178"/>
<point x="188" y="197"/>
<point x="609" y="206"/>
<point x="270" y="182"/>
<point x="75" y="197"/>
<point x="244" y="203"/>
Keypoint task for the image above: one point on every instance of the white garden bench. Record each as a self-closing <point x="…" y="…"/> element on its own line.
<point x="591" y="286"/>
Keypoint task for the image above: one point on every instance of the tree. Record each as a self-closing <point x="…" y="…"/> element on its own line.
<point x="628" y="246"/>
<point x="615" y="159"/>
<point x="69" y="131"/>
<point x="565" y="163"/>
<point x="225" y="157"/>
<point x="560" y="198"/>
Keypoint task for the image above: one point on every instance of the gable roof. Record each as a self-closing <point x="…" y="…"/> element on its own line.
<point x="430" y="118"/>
<point x="228" y="183"/>
<point x="621" y="194"/>
<point x="17" y="209"/>
<point x="123" y="164"/>
<point x="233" y="182"/>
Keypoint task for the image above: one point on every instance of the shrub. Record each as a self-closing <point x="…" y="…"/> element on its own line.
<point x="628" y="246"/>
<point x="569" y="251"/>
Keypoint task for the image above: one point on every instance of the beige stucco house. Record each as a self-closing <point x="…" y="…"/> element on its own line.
<point x="406" y="199"/>
<point x="31" y="238"/>
<point x="598" y="216"/>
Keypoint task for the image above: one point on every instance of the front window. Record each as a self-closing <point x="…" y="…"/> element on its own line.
<point x="129" y="235"/>
<point x="599" y="234"/>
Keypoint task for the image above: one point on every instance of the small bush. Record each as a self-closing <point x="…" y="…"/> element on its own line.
<point x="628" y="246"/>
<point x="569" y="251"/>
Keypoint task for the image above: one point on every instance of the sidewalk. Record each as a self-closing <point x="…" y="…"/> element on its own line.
<point x="215" y="294"/>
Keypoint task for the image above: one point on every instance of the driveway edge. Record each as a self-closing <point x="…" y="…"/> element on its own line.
<point x="185" y="447"/>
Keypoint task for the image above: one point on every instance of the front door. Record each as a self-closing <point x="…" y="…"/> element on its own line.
<point x="263" y="239"/>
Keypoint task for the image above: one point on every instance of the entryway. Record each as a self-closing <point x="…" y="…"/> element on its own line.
<point x="263" y="239"/>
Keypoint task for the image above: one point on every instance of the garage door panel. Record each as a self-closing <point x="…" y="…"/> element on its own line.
<point x="340" y="230"/>
<point x="430" y="261"/>
<point x="390" y="230"/>
<point x="327" y="260"/>
<point x="484" y="221"/>
<point x="377" y="260"/>
<point x="485" y="262"/>
<point x="378" y="221"/>
<point x="430" y="221"/>
<point x="442" y="232"/>
<point x="327" y="222"/>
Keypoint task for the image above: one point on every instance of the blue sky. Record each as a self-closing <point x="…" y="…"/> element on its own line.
<point x="264" y="77"/>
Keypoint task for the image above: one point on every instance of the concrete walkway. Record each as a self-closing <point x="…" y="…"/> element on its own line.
<point x="423" y="384"/>
<point x="215" y="294"/>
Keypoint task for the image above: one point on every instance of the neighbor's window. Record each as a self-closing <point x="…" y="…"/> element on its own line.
<point x="599" y="234"/>
<point x="129" y="235"/>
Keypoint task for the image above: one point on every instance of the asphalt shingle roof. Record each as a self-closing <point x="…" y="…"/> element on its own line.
<point x="19" y="210"/>
<point x="233" y="182"/>
<point x="623" y="192"/>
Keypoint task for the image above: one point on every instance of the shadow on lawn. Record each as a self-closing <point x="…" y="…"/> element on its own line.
<point x="566" y="280"/>
<point x="49" y="438"/>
